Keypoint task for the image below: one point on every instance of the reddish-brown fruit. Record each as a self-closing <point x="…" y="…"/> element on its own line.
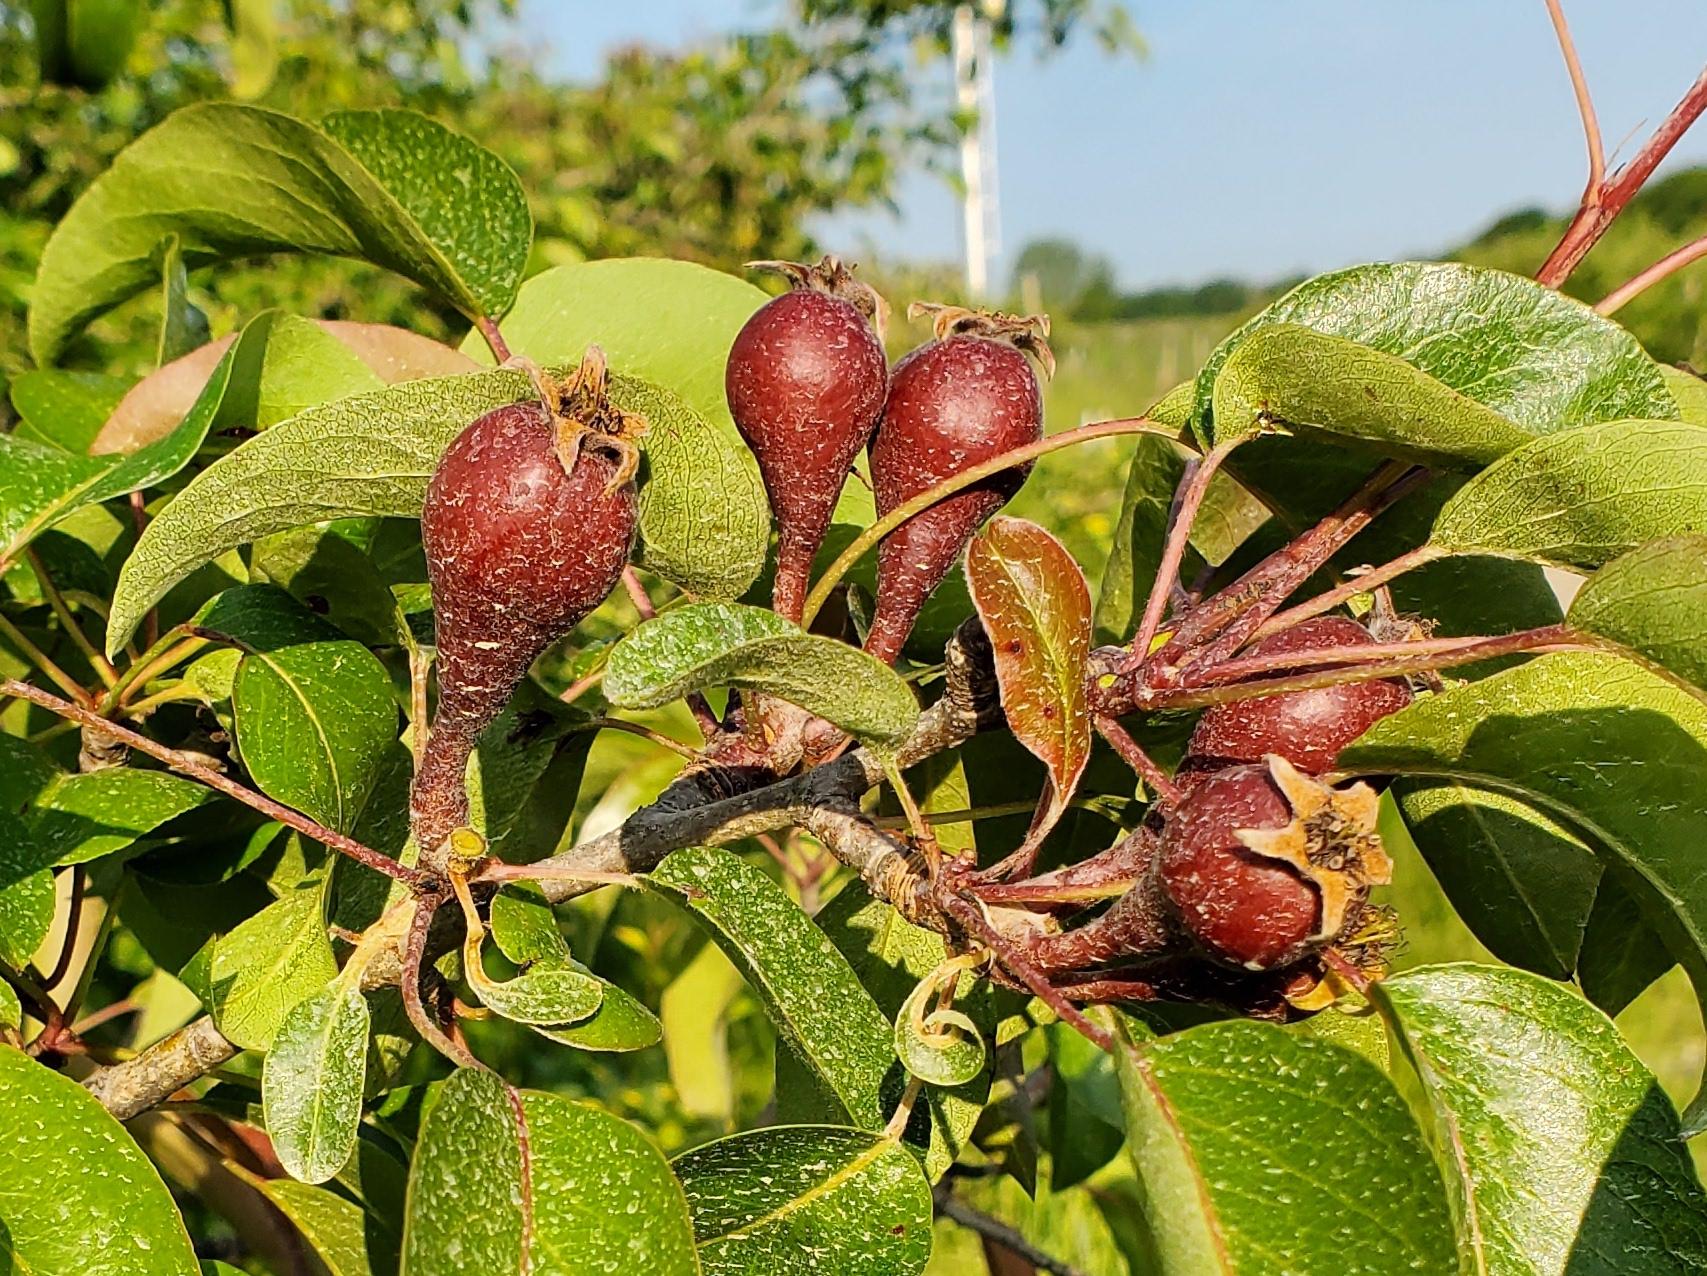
<point x="805" y="381"/>
<point x="527" y="525"/>
<point x="961" y="399"/>
<point x="1262" y="864"/>
<point x="1307" y="728"/>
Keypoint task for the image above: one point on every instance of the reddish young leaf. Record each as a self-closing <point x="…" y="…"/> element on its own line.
<point x="1036" y="607"/>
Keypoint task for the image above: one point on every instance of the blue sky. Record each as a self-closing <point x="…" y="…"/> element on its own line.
<point x="1261" y="137"/>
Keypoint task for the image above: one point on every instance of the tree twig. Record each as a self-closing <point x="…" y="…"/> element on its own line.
<point x="998" y="1233"/>
<point x="1585" y="104"/>
<point x="1670" y="264"/>
<point x="1603" y="204"/>
<point x="203" y="774"/>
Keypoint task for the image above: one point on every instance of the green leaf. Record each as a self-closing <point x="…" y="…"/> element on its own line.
<point x="1565" y="1154"/>
<point x="464" y="202"/>
<point x="1520" y="881"/>
<point x="183" y="327"/>
<point x="1613" y="751"/>
<point x="1621" y="955"/>
<point x="1036" y="608"/>
<point x="667" y="322"/>
<point x="64" y="409"/>
<point x="592" y="1195"/>
<point x="335" y="1229"/>
<point x="1529" y="353"/>
<point x="373" y="454"/>
<point x="889" y="955"/>
<point x="525" y="929"/>
<point x="82" y="817"/>
<point x="262" y="969"/>
<point x="314" y="722"/>
<point x="810" y="992"/>
<point x="939" y="1046"/>
<point x="1086" y="1129"/>
<point x="725" y="644"/>
<point x="1262" y="1151"/>
<point x="78" y="1195"/>
<point x="1653" y="601"/>
<point x="233" y="181"/>
<point x="1690" y="391"/>
<point x="807" y="1201"/>
<point x="40" y="485"/>
<point x="704" y="518"/>
<point x="11" y="1009"/>
<point x="311" y="1083"/>
<point x="1581" y="498"/>
<point x="328" y="573"/>
<point x="540" y="996"/>
<point x="1291" y="376"/>
<point x="26" y="916"/>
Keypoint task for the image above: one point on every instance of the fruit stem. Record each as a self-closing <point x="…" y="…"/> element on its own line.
<point x="1159" y="781"/>
<point x="868" y="539"/>
<point x="1362" y="583"/>
<point x="414" y="950"/>
<point x="203" y="774"/>
<point x="1187" y="500"/>
<point x="1226" y="621"/>
<point x="488" y="328"/>
<point x="1545" y="639"/>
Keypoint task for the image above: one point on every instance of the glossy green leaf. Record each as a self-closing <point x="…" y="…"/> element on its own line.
<point x="269" y="963"/>
<point x="667" y="322"/>
<point x="939" y="1046"/>
<point x="542" y="995"/>
<point x="332" y="576"/>
<point x="704" y="518"/>
<point x="1526" y="351"/>
<point x="63" y="409"/>
<point x="1036" y="607"/>
<point x="890" y="955"/>
<point x="1291" y="376"/>
<point x="39" y="485"/>
<point x="1564" y="1154"/>
<point x="810" y="992"/>
<point x="82" y="817"/>
<point x="78" y="1195"/>
<point x="1262" y="1151"/>
<point x="1086" y="1128"/>
<point x="1653" y="601"/>
<point x="465" y="202"/>
<point x="311" y="1084"/>
<point x="335" y="1228"/>
<point x="1582" y="498"/>
<point x="1613" y="751"/>
<point x="1621" y="953"/>
<point x="725" y="644"/>
<point x="11" y="1009"/>
<point x="26" y="911"/>
<point x="1518" y="879"/>
<point x="183" y="326"/>
<point x="232" y="181"/>
<point x="525" y="929"/>
<point x="807" y="1201"/>
<point x="1690" y="391"/>
<point x="592" y="1195"/>
<point x="373" y="454"/>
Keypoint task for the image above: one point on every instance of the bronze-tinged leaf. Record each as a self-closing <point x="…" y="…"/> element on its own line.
<point x="1036" y="607"/>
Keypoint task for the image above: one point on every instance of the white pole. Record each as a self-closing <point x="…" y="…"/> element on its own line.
<point x="964" y="39"/>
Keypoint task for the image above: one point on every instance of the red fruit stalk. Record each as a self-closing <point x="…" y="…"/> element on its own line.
<point x="1307" y="728"/>
<point x="955" y="402"/>
<point x="805" y="381"/>
<point x="528" y="523"/>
